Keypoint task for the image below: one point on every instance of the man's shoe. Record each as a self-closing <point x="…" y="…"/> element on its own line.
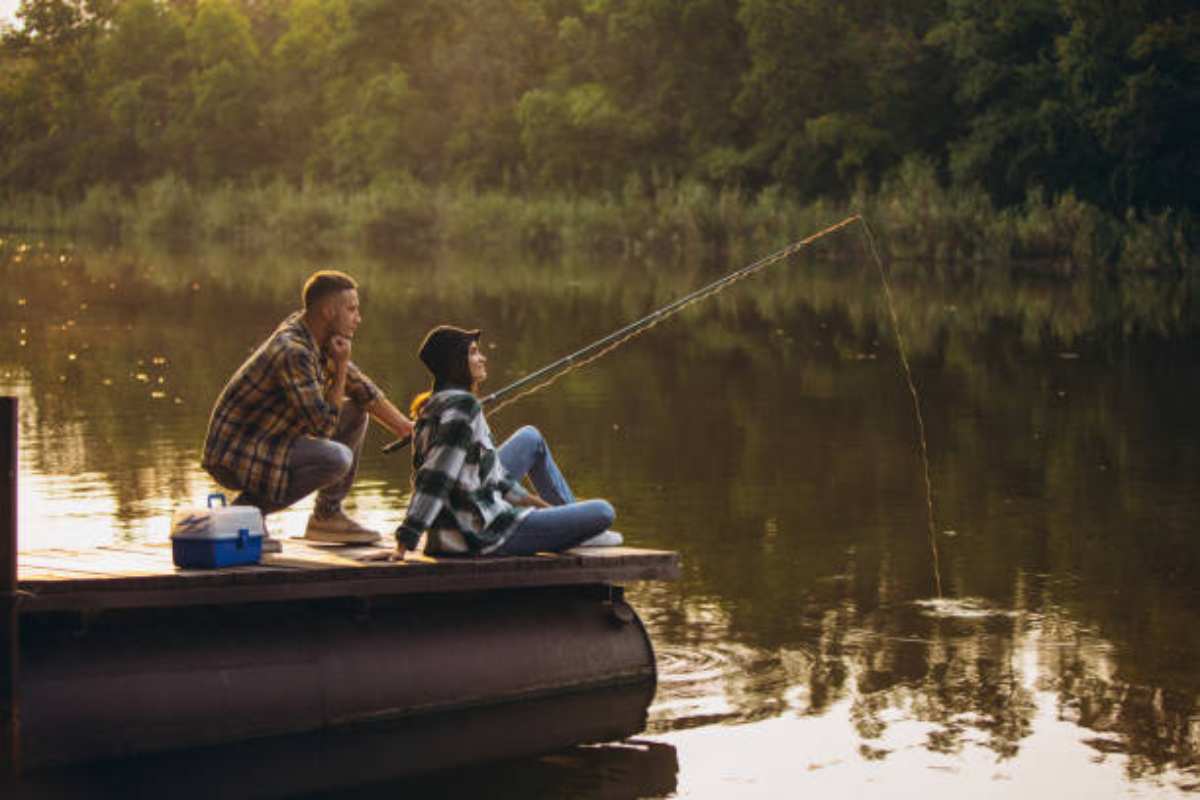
<point x="270" y="544"/>
<point x="338" y="529"/>
<point x="606" y="539"/>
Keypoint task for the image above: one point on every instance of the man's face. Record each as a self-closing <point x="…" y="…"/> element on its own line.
<point x="346" y="316"/>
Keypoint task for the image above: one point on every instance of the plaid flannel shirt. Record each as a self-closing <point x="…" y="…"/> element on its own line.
<point x="458" y="480"/>
<point x="275" y="397"/>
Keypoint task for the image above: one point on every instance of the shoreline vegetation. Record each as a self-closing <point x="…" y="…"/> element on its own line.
<point x="916" y="218"/>
<point x="1056" y="136"/>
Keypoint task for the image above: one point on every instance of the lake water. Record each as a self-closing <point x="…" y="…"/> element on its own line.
<point x="768" y="435"/>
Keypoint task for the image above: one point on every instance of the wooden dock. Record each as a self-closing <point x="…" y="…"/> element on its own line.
<point x="113" y="652"/>
<point x="143" y="575"/>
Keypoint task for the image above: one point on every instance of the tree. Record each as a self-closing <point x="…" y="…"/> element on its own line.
<point x="229" y="137"/>
<point x="48" y="111"/>
<point x="306" y="81"/>
<point x="1132" y="69"/>
<point x="1019" y="131"/>
<point x="839" y="92"/>
<point x="142" y="82"/>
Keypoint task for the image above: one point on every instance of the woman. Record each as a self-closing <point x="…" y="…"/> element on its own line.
<point x="467" y="493"/>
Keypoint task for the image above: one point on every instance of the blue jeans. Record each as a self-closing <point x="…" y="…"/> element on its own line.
<point x="570" y="522"/>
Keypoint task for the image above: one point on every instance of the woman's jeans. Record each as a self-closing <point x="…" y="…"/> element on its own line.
<point x="548" y="529"/>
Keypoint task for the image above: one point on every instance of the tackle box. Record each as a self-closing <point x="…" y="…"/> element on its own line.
<point x="217" y="536"/>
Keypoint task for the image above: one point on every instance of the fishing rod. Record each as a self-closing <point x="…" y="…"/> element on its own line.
<point x="618" y="337"/>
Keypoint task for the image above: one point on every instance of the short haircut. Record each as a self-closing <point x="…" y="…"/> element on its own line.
<point x="323" y="283"/>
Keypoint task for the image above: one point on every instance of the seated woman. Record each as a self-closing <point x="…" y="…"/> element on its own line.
<point x="468" y="492"/>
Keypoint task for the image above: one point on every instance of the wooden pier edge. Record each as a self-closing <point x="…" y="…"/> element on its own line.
<point x="9" y="618"/>
<point x="76" y="581"/>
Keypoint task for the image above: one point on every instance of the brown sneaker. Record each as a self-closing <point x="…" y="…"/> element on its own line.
<point x="338" y="529"/>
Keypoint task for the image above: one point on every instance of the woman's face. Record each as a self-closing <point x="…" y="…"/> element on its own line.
<point x="476" y="364"/>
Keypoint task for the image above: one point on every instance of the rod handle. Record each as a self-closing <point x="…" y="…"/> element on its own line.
<point x="398" y="444"/>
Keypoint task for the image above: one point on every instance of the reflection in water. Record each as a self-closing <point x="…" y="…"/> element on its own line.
<point x="381" y="757"/>
<point x="635" y="768"/>
<point x="965" y="687"/>
<point x="768" y="436"/>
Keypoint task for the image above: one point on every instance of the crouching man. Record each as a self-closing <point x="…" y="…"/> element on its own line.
<point x="293" y="418"/>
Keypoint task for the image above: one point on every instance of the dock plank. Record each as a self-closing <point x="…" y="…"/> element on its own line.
<point x="143" y="575"/>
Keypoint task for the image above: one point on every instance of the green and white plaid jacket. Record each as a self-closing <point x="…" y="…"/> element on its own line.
<point x="458" y="480"/>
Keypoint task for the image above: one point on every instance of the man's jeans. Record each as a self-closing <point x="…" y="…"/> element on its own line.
<point x="548" y="529"/>
<point x="328" y="465"/>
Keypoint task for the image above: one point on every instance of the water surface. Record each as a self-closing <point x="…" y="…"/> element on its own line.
<point x="768" y="435"/>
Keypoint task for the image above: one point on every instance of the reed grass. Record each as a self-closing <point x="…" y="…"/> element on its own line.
<point x="918" y="218"/>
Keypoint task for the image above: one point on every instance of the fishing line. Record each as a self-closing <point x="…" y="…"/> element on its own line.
<point x="539" y="379"/>
<point x="916" y="400"/>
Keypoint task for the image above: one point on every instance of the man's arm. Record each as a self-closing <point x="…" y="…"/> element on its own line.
<point x="387" y="415"/>
<point x="297" y="373"/>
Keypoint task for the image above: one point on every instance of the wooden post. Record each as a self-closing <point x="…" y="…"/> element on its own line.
<point x="9" y="630"/>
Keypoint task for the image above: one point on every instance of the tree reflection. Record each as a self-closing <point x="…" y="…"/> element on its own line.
<point x="768" y="436"/>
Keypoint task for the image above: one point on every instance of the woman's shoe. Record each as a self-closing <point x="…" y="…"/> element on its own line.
<point x="606" y="539"/>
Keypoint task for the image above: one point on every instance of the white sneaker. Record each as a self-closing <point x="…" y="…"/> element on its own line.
<point x="606" y="539"/>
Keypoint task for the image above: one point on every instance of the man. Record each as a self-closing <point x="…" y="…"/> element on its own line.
<point x="293" y="418"/>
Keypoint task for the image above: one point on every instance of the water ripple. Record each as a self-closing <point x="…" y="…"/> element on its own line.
<point x="723" y="682"/>
<point x="684" y="666"/>
<point x="961" y="608"/>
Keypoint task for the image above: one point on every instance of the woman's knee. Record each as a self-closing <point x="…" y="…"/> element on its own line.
<point x="603" y="513"/>
<point x="528" y="434"/>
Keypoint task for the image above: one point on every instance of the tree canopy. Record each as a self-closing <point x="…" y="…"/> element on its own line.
<point x="1099" y="98"/>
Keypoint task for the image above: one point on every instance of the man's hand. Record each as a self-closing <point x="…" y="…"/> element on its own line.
<point x="339" y="350"/>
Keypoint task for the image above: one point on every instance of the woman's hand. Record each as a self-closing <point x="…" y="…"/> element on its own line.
<point x="388" y="555"/>
<point x="534" y="501"/>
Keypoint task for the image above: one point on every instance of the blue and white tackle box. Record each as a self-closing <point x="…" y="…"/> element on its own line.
<point x="217" y="536"/>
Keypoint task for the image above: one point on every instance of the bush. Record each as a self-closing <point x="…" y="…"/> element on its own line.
<point x="166" y="209"/>
<point x="915" y="216"/>
<point x="395" y="212"/>
<point x="102" y="214"/>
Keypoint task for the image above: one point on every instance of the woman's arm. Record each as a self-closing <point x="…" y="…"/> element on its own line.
<point x="531" y="500"/>
<point x="438" y="474"/>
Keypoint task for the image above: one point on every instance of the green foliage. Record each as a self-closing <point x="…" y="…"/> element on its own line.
<point x="167" y="209"/>
<point x="1093" y="97"/>
<point x="573" y="138"/>
<point x="840" y="91"/>
<point x="101" y="214"/>
<point x="396" y="212"/>
<point x="1074" y="119"/>
<point x="226" y="100"/>
<point x="374" y="136"/>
